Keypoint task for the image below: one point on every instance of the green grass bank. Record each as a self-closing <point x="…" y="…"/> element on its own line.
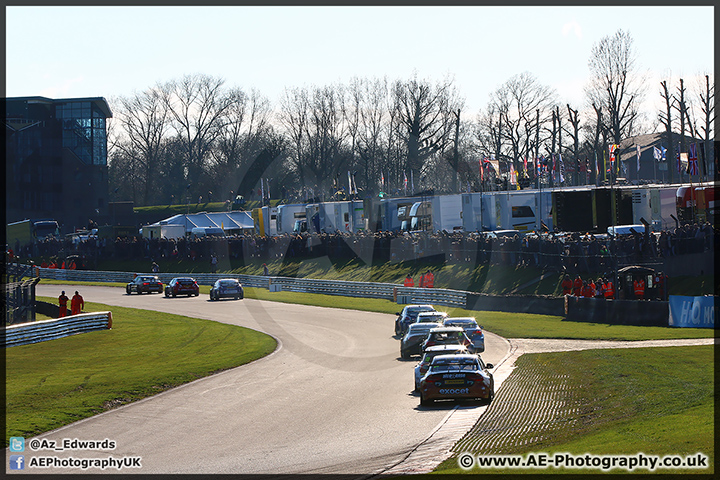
<point x="658" y="401"/>
<point x="54" y="383"/>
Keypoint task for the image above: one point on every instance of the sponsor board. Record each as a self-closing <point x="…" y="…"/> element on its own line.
<point x="692" y="312"/>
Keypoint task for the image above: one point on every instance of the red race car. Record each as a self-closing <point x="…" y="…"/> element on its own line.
<point x="457" y="377"/>
<point x="182" y="286"/>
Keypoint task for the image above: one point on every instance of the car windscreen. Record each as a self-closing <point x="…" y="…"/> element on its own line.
<point x="464" y="367"/>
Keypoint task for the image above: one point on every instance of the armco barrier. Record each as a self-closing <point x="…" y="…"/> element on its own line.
<point x="126" y="277"/>
<point x="27" y="333"/>
<point x="630" y="312"/>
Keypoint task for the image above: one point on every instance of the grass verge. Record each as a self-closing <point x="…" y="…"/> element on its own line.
<point x="54" y="383"/>
<point x="658" y="401"/>
<point x="510" y="325"/>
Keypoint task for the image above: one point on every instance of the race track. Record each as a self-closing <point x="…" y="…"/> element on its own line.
<point x="334" y="398"/>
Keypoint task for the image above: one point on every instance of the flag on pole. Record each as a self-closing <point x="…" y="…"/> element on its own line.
<point x="480" y="162"/>
<point x="637" y="147"/>
<point x="525" y="166"/>
<point x="412" y="182"/>
<point x="405" y="182"/>
<point x="657" y="154"/>
<point x="382" y="181"/>
<point x="605" y="164"/>
<point x="664" y="153"/>
<point x="613" y="148"/>
<point x="561" y="169"/>
<point x="677" y="157"/>
<point x="693" y="160"/>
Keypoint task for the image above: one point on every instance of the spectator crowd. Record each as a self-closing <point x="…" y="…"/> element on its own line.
<point x="572" y="253"/>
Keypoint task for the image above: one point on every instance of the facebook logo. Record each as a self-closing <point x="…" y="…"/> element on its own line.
<point x="17" y="462"/>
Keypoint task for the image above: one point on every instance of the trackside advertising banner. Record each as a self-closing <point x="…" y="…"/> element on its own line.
<point x="693" y="312"/>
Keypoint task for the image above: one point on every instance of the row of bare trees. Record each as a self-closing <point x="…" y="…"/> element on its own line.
<point x="190" y="137"/>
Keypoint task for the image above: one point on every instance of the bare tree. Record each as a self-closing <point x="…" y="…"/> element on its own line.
<point x="425" y="113"/>
<point x="666" y="119"/>
<point x="199" y="107"/>
<point x="243" y="137"/>
<point x="575" y="136"/>
<point x="294" y="116"/>
<point x="521" y="99"/>
<point x="707" y="107"/>
<point x="144" y="118"/>
<point x="614" y="84"/>
<point x="369" y="127"/>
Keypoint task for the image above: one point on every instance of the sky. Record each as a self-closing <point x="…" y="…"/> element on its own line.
<point x="85" y="51"/>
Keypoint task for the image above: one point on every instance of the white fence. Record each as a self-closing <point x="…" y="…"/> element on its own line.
<point x="34" y="332"/>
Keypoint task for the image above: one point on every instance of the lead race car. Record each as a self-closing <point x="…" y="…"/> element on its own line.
<point x="144" y="284"/>
<point x="454" y="377"/>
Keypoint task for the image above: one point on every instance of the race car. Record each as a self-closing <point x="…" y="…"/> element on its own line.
<point x="144" y="284"/>
<point x="408" y="315"/>
<point x="472" y="330"/>
<point x="454" y="377"/>
<point x="227" y="287"/>
<point x="414" y="337"/>
<point x="432" y="352"/>
<point x="182" y="286"/>
<point x="446" y="336"/>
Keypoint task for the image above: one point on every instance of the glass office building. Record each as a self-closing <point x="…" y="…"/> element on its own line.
<point x="56" y="159"/>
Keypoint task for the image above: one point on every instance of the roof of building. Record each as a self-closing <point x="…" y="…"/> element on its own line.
<point x="236" y="220"/>
<point x="99" y="102"/>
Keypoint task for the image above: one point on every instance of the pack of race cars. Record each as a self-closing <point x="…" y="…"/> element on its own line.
<point x="222" y="288"/>
<point x="450" y="366"/>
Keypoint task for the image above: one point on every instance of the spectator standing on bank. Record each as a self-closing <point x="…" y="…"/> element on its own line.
<point x="599" y="288"/>
<point x="155" y="267"/>
<point x="77" y="303"/>
<point x="62" y="301"/>
<point x="266" y="270"/>
<point x="213" y="263"/>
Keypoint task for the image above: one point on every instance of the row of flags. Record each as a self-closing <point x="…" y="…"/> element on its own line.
<point x="554" y="164"/>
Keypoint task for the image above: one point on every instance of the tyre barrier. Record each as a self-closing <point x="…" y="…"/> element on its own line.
<point x="43" y="330"/>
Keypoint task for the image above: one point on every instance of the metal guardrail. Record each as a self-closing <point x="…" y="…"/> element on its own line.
<point x="387" y="291"/>
<point x="27" y="333"/>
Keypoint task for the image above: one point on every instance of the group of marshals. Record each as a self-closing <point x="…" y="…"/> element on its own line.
<point x="76" y="304"/>
<point x="601" y="288"/>
<point x="427" y="280"/>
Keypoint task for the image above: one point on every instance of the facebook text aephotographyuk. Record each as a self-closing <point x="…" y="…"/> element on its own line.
<point x="86" y="463"/>
<point x="638" y="461"/>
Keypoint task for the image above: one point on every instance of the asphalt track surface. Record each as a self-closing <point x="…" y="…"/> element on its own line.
<point x="335" y="397"/>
